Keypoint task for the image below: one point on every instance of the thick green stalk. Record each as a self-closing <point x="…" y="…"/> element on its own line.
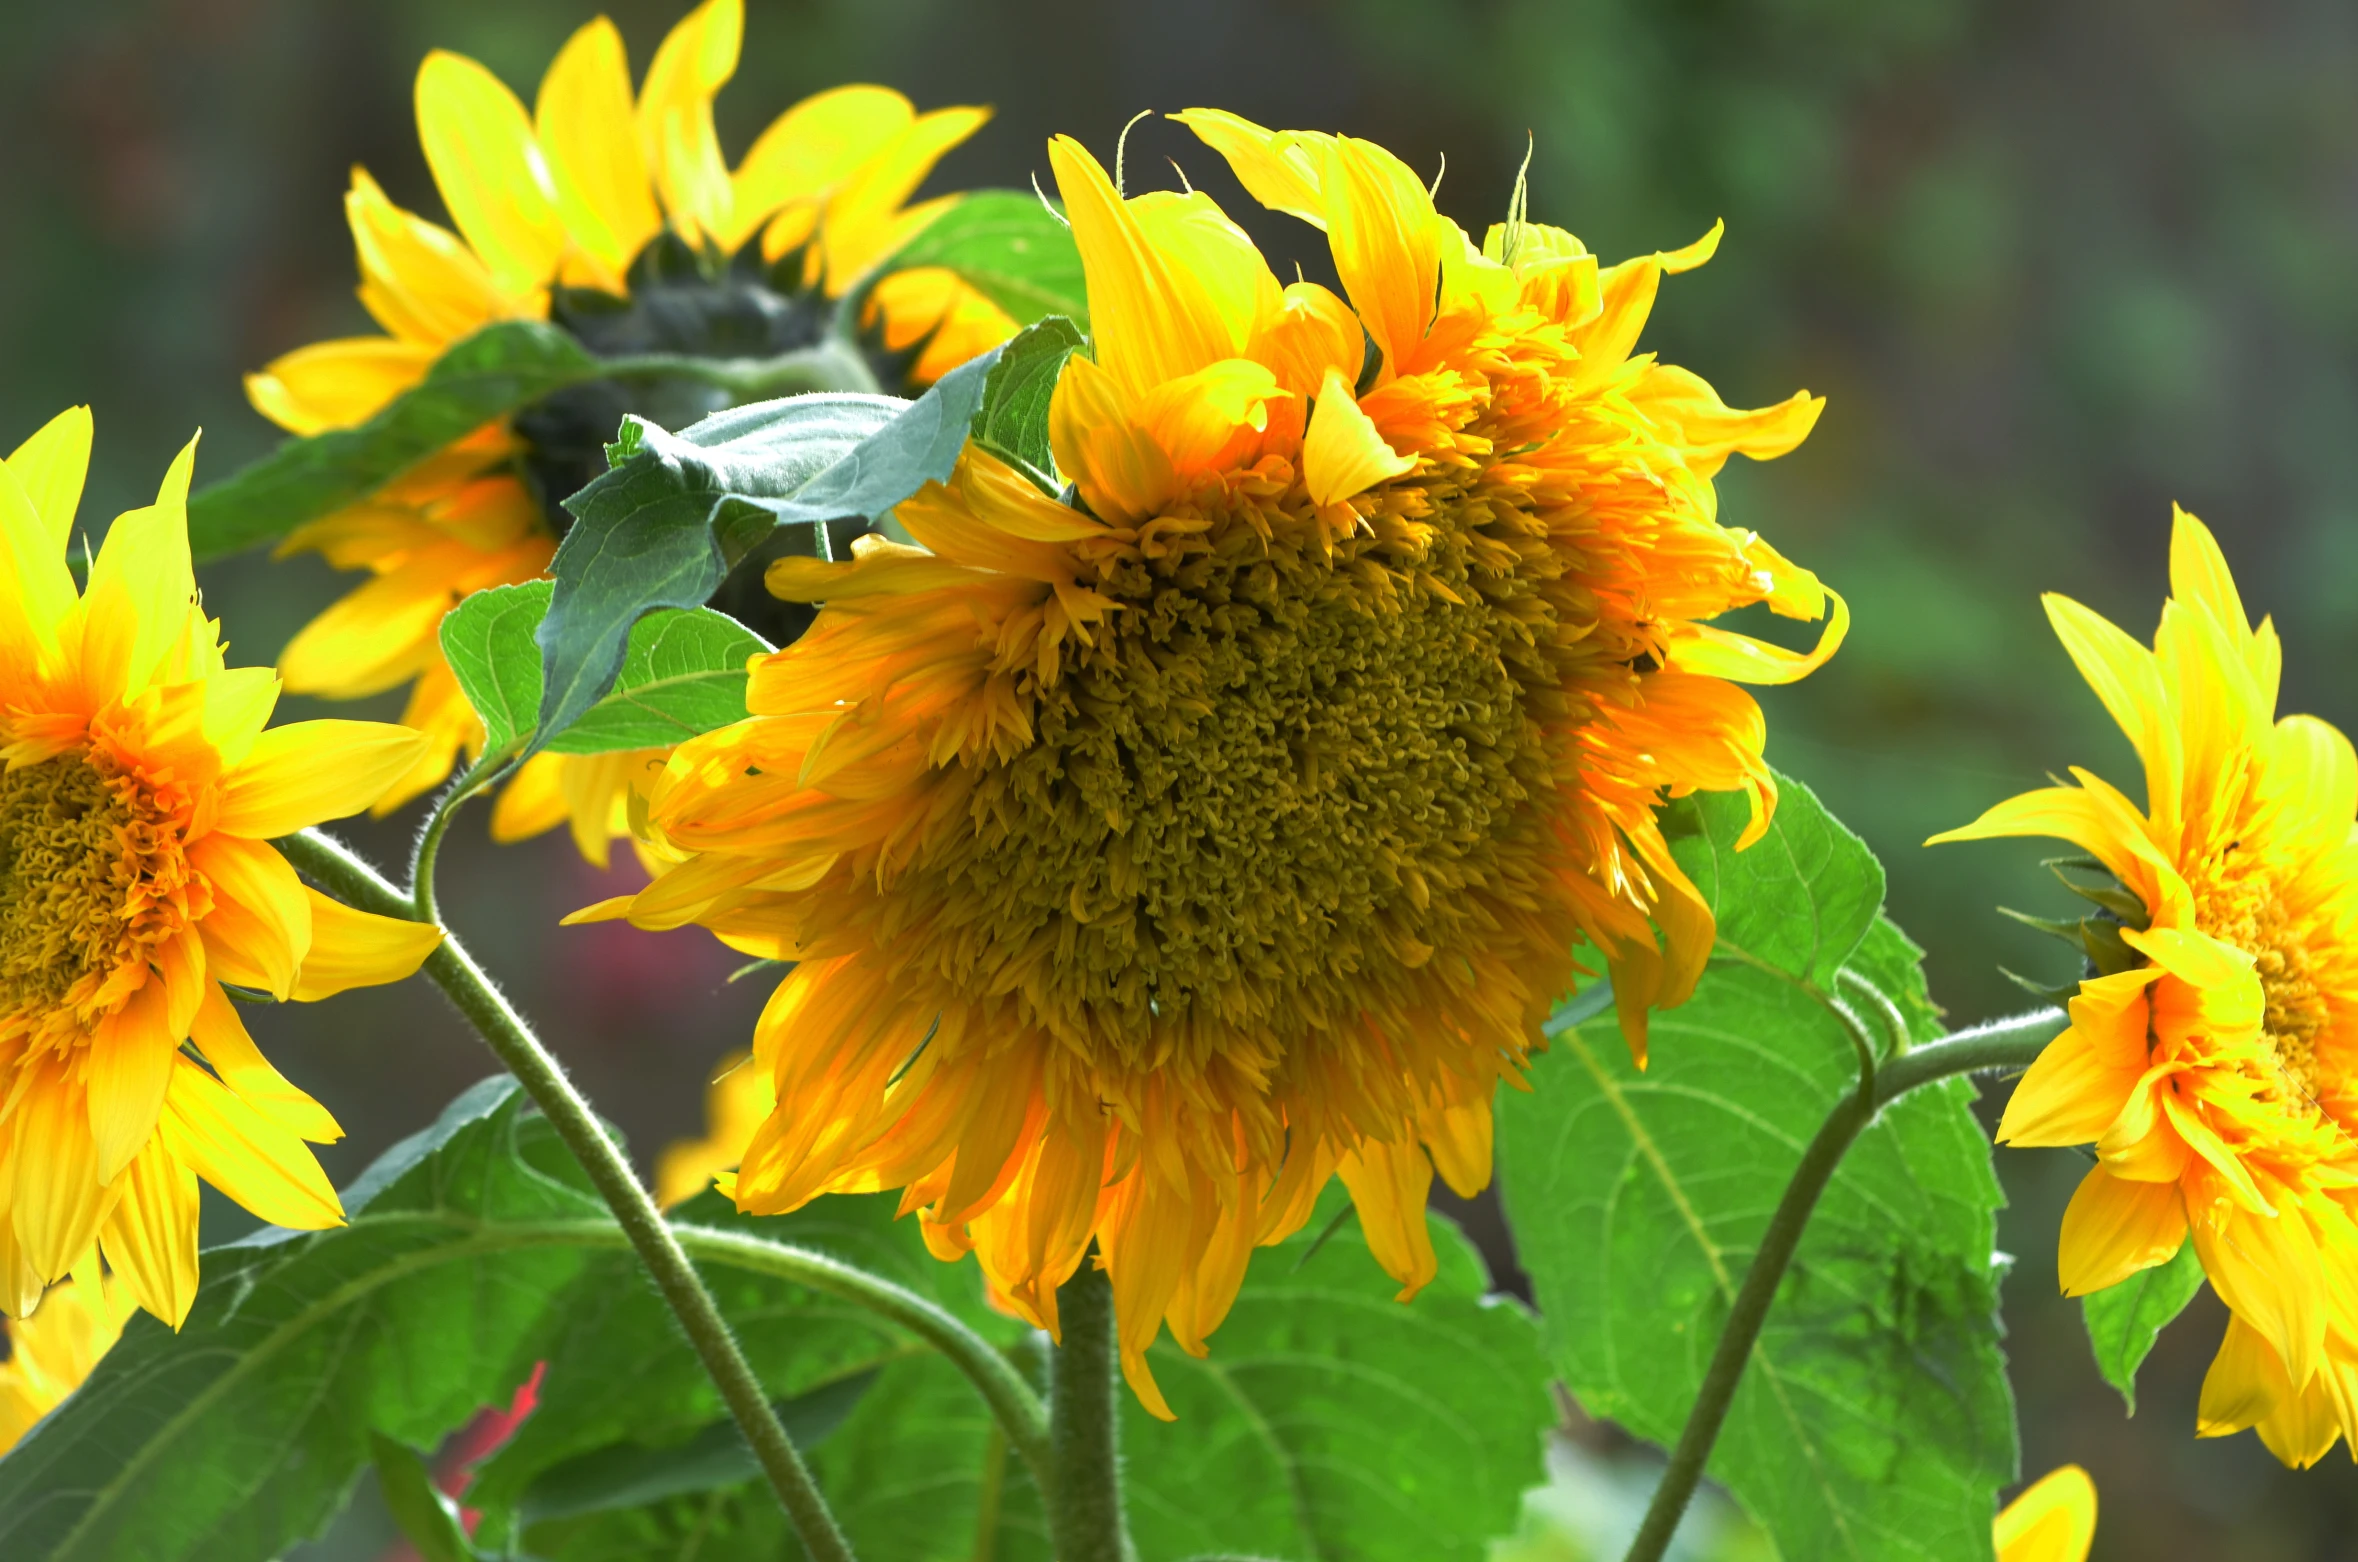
<point x="1085" y="1521"/>
<point x="2011" y="1043"/>
<point x="504" y="1031"/>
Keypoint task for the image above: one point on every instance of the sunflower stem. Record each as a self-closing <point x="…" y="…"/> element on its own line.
<point x="429" y="848"/>
<point x="2009" y="1043"/>
<point x="658" y="1247"/>
<point x="1085" y="1521"/>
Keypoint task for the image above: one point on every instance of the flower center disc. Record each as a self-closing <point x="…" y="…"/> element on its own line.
<point x="66" y="877"/>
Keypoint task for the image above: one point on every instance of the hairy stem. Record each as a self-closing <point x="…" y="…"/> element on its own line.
<point x="658" y="1247"/>
<point x="1085" y="1506"/>
<point x="2010" y="1043"/>
<point x="429" y="847"/>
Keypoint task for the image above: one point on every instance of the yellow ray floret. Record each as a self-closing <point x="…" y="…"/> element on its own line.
<point x="141" y="792"/>
<point x="1152" y="858"/>
<point x="568" y="194"/>
<point x="2053" y="1520"/>
<point x="52" y="1351"/>
<point x="2217" y="1077"/>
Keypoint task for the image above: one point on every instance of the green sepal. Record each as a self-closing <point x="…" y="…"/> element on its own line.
<point x="683" y="673"/>
<point x="2124" y="1320"/>
<point x="2100" y="888"/>
<point x="490" y="374"/>
<point x="664" y="528"/>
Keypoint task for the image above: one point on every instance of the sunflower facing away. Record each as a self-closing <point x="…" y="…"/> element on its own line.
<point x="622" y="224"/>
<point x="1154" y="854"/>
<point x="140" y="795"/>
<point x="2216" y="1069"/>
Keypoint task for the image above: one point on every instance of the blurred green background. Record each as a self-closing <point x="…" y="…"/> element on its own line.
<point x="2054" y="265"/>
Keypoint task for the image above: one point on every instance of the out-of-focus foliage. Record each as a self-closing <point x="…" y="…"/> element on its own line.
<point x="2054" y="265"/>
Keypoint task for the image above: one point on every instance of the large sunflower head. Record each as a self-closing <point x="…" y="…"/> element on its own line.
<point x="617" y="218"/>
<point x="2212" y="1057"/>
<point x="1156" y="849"/>
<point x="140" y="793"/>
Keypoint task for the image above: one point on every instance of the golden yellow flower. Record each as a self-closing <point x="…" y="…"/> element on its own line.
<point x="2214" y="1073"/>
<point x="736" y="1104"/>
<point x="1154" y="856"/>
<point x="50" y="1352"/>
<point x="2054" y="1520"/>
<point x="140" y="795"/>
<point x="563" y="214"/>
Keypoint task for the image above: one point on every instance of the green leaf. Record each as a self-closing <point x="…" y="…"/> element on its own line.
<point x="499" y="369"/>
<point x="1013" y="423"/>
<point x="1012" y="248"/>
<point x="1874" y="1421"/>
<point x="424" y="1514"/>
<point x="245" y="1432"/>
<point x="682" y="673"/>
<point x="623" y="1391"/>
<point x="664" y="528"/>
<point x="1331" y="1420"/>
<point x="2124" y="1320"/>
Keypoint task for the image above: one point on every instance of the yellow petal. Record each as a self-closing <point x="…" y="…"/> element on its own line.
<point x="2126" y="679"/>
<point x="222" y="1037"/>
<point x="150" y="1240"/>
<point x="59" y="1201"/>
<point x="337" y="384"/>
<point x="51" y="466"/>
<point x="248" y="1156"/>
<point x="309" y="771"/>
<point x="676" y="133"/>
<point x="583" y="122"/>
<point x="814" y="146"/>
<point x="2113" y="1228"/>
<point x="1151" y="321"/>
<point x="2052" y="1521"/>
<point x="1387" y="247"/>
<point x="1342" y="454"/>
<point x="130" y="1064"/>
<point x="2074" y="1090"/>
<point x="532" y="802"/>
<point x="141" y="590"/>
<point x="359" y="949"/>
<point x="270" y="937"/>
<point x="2199" y="573"/>
<point x="1721" y="653"/>
<point x="1282" y="169"/>
<point x="489" y="169"/>
<point x="420" y="281"/>
<point x="1389" y="1184"/>
<point x="36" y="588"/>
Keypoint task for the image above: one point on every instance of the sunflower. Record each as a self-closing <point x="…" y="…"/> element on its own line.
<point x="50" y="1353"/>
<point x="622" y="224"/>
<point x="2212" y="1058"/>
<point x="139" y="798"/>
<point x="2053" y="1520"/>
<point x="1155" y="852"/>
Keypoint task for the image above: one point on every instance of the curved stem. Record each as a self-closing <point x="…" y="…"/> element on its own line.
<point x="1085" y="1505"/>
<point x="505" y="1032"/>
<point x="2002" y="1043"/>
<point x="1017" y="1408"/>
<point x="828" y="366"/>
<point x="429" y="847"/>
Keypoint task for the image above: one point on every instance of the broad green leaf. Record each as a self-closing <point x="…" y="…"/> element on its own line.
<point x="244" y="1432"/>
<point x="624" y="1391"/>
<point x="1329" y="1421"/>
<point x="498" y="370"/>
<point x="729" y="1524"/>
<point x="1874" y="1421"/>
<point x="425" y="1515"/>
<point x="2124" y="1320"/>
<point x="664" y="527"/>
<point x="1013" y="423"/>
<point x="682" y="673"/>
<point x="1012" y="248"/>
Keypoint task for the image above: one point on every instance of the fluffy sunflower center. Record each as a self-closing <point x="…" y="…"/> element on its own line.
<point x="66" y="875"/>
<point x="1269" y="785"/>
<point x="2236" y="900"/>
